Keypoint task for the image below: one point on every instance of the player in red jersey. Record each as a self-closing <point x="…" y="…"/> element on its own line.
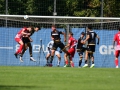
<point x="117" y="47"/>
<point x="71" y="45"/>
<point x="24" y="32"/>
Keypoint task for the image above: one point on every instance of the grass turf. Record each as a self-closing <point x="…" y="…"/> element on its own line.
<point x="58" y="78"/>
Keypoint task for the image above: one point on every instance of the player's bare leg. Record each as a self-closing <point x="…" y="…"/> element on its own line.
<point x="47" y="59"/>
<point x="23" y="51"/>
<point x="92" y="59"/>
<point x="66" y="59"/>
<point x="71" y="62"/>
<point x="52" y="56"/>
<point x="19" y="51"/>
<point x="30" y="52"/>
<point x="116" y="62"/>
<point x="80" y="61"/>
<point x="86" y="58"/>
<point x="59" y="59"/>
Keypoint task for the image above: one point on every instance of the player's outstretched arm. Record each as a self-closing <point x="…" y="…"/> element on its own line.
<point x="113" y="43"/>
<point x="88" y="36"/>
<point x="98" y="39"/>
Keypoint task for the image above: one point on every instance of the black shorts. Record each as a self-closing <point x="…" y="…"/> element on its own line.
<point x="25" y="40"/>
<point x="81" y="50"/>
<point x="91" y="48"/>
<point x="58" y="44"/>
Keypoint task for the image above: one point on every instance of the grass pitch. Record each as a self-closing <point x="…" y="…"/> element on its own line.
<point x="58" y="78"/>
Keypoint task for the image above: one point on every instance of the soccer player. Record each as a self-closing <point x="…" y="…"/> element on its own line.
<point x="24" y="32"/>
<point x="55" y="35"/>
<point x="57" y="53"/>
<point x="117" y="47"/>
<point x="71" y="51"/>
<point x="27" y="43"/>
<point x="91" y="38"/>
<point x="80" y="49"/>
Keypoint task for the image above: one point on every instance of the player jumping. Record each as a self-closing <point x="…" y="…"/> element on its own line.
<point x="24" y="32"/>
<point x="27" y="43"/>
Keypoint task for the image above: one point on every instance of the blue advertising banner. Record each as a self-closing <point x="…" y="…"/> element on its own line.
<point x="104" y="55"/>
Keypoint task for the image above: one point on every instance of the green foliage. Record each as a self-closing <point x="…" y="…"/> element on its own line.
<point x="84" y="8"/>
<point x="2" y="6"/>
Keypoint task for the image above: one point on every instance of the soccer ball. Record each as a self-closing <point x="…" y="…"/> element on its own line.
<point x="26" y="17"/>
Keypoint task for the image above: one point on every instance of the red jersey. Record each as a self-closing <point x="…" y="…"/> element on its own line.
<point x="19" y="34"/>
<point x="72" y="41"/>
<point x="117" y="38"/>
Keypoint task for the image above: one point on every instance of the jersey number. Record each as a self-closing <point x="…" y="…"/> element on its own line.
<point x="92" y="35"/>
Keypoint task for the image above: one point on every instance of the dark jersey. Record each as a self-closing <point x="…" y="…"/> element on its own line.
<point x="26" y="39"/>
<point x="56" y="34"/>
<point x="80" y="45"/>
<point x="92" y="39"/>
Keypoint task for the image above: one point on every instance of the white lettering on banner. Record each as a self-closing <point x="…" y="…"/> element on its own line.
<point x="36" y="48"/>
<point x="17" y="47"/>
<point x="106" y="49"/>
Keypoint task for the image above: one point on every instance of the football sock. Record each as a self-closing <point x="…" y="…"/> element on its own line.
<point x="20" y="49"/>
<point x="80" y="61"/>
<point x="116" y="62"/>
<point x="58" y="62"/>
<point x="72" y="64"/>
<point x="85" y="61"/>
<point x="92" y="62"/>
<point x="66" y="62"/>
<point x="51" y="59"/>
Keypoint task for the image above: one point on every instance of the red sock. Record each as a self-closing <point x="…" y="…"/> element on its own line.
<point x="116" y="62"/>
<point x="20" y="49"/>
<point x="72" y="64"/>
<point x="66" y="62"/>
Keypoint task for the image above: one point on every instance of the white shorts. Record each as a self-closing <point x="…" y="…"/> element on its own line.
<point x="56" y="52"/>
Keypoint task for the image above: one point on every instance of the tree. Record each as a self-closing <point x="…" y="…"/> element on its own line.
<point x="2" y="6"/>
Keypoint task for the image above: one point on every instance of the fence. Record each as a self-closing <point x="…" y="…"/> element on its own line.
<point x="11" y="24"/>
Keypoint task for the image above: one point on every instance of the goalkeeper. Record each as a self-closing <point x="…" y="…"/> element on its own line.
<point x="27" y="43"/>
<point x="57" y="53"/>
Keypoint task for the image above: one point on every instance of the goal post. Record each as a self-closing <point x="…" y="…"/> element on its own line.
<point x="105" y="27"/>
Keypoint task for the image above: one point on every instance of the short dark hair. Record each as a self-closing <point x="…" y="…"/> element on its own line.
<point x="53" y="25"/>
<point x="82" y="33"/>
<point x="37" y="27"/>
<point x="31" y="27"/>
<point x="119" y="28"/>
<point x="89" y="26"/>
<point x="70" y="33"/>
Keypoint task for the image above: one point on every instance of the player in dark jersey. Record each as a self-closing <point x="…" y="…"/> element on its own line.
<point x="27" y="43"/>
<point x="55" y="35"/>
<point x="91" y="38"/>
<point x="80" y="48"/>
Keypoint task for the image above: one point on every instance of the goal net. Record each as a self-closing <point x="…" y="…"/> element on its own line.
<point x="11" y="24"/>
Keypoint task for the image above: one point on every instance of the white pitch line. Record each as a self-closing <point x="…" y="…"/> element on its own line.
<point x="6" y="47"/>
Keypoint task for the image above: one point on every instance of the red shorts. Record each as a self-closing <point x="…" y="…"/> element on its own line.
<point x="117" y="52"/>
<point x="71" y="51"/>
<point x="17" y="40"/>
